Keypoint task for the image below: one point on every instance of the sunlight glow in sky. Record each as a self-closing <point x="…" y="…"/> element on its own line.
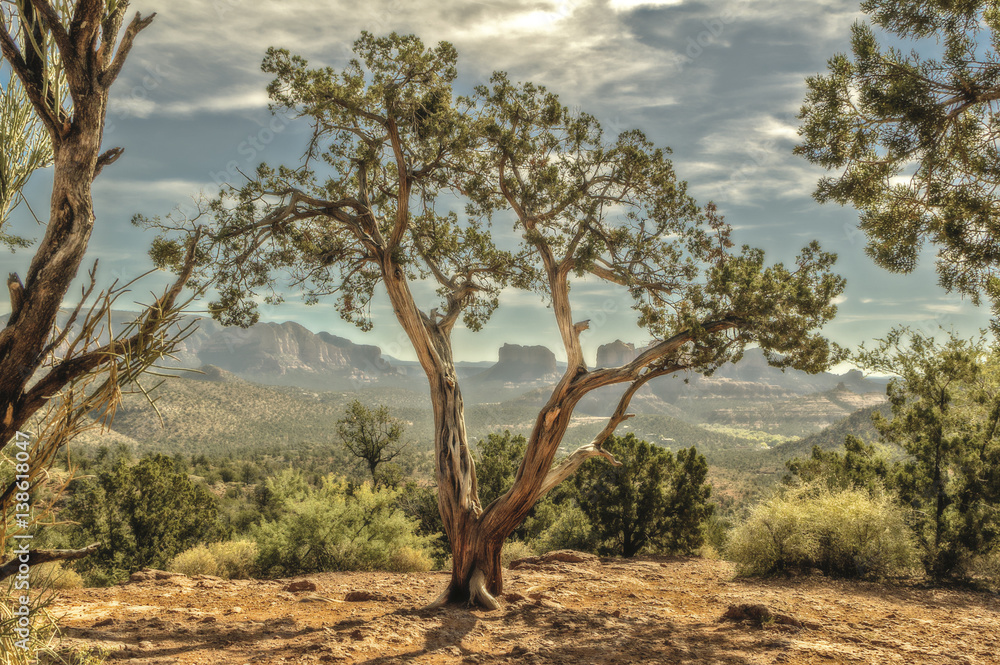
<point x="720" y="83"/>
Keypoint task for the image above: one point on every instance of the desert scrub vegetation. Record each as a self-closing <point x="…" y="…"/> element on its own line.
<point x="334" y="526"/>
<point x="850" y="532"/>
<point x="54" y="576"/>
<point x="230" y="560"/>
<point x="26" y="639"/>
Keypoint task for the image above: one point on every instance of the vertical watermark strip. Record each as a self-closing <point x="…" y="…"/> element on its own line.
<point x="22" y="516"/>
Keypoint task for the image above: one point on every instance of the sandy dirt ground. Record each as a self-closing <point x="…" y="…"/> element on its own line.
<point x="596" y="611"/>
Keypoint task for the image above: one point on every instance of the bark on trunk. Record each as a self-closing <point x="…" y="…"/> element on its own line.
<point x="55" y="265"/>
<point x="76" y="140"/>
<point x="475" y="543"/>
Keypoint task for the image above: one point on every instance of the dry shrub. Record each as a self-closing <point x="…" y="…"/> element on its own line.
<point x="36" y="642"/>
<point x="54" y="576"/>
<point x="514" y="550"/>
<point x="231" y="560"/>
<point x="198" y="560"/>
<point x="235" y="559"/>
<point x="846" y="533"/>
<point x="410" y="560"/>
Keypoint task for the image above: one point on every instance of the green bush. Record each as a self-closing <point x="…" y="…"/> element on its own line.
<point x="196" y="561"/>
<point x="328" y="528"/>
<point x="142" y="515"/>
<point x="983" y="569"/>
<point x="235" y="559"/>
<point x="566" y="527"/>
<point x="652" y="502"/>
<point x="231" y="560"/>
<point x="846" y="533"/>
<point x="99" y="577"/>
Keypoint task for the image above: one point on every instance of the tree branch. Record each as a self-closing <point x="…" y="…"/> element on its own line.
<point x="629" y="372"/>
<point x="36" y="557"/>
<point x="568" y="466"/>
<point x="12" y="54"/>
<point x="106" y="159"/>
<point x="86" y="23"/>
<point x="109" y="33"/>
<point x="403" y="196"/>
<point x="86" y="291"/>
<point x="76" y="366"/>
<point x="456" y="305"/>
<point x="16" y="289"/>
<point x="55" y="26"/>
<point x="138" y="24"/>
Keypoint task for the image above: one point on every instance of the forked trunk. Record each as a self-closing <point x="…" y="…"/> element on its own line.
<point x="476" y="575"/>
<point x="477" y="536"/>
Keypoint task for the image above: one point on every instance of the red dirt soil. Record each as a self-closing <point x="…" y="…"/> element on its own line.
<point x="648" y="610"/>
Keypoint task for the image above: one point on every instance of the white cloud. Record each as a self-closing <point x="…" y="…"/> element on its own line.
<point x="728" y="113"/>
<point x="626" y="5"/>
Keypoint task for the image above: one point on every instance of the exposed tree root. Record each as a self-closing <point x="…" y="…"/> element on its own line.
<point x="478" y="592"/>
<point x="440" y="601"/>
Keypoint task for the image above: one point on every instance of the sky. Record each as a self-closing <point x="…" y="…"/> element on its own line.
<point x="719" y="82"/>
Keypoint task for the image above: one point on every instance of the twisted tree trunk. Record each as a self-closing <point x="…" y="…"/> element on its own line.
<point x="91" y="63"/>
<point x="55" y="265"/>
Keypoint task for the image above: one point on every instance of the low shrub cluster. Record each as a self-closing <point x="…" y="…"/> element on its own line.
<point x="231" y="560"/>
<point x="846" y="533"/>
<point x="336" y="527"/>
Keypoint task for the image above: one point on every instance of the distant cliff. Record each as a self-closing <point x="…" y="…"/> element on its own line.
<point x="273" y="353"/>
<point x="520" y="364"/>
<point x="289" y="354"/>
<point x="615" y="354"/>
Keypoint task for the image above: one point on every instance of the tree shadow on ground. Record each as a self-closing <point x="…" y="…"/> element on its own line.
<point x="541" y="634"/>
<point x="905" y="592"/>
<point x="184" y="639"/>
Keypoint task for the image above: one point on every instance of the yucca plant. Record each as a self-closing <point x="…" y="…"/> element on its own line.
<point x="25" y="640"/>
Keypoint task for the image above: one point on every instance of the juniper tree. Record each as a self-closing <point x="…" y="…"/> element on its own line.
<point x="913" y="136"/>
<point x="372" y="206"/>
<point x="652" y="501"/>
<point x="372" y="436"/>
<point x="945" y="416"/>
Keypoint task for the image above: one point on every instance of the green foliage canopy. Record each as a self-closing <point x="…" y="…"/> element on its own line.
<point x="913" y="135"/>
<point x="653" y="501"/>
<point x="945" y="415"/>
<point x="393" y="151"/>
<point x="142" y="514"/>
